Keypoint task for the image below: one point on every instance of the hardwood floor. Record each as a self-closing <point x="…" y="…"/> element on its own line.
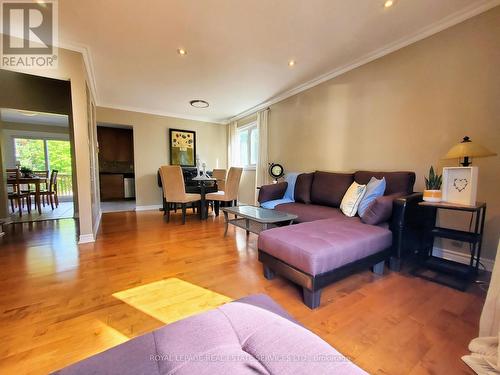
<point x="57" y="304"/>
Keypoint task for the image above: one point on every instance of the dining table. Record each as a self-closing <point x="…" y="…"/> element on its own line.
<point x="34" y="180"/>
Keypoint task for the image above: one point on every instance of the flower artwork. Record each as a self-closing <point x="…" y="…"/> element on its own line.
<point x="182" y="148"/>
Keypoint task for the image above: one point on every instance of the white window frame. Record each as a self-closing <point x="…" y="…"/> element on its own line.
<point x="251" y="127"/>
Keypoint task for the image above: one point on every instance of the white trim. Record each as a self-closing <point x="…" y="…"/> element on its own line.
<point x="88" y="62"/>
<point x="461" y="257"/>
<point x="162" y="113"/>
<point x="148" y="208"/>
<point x="86" y="238"/>
<point x="97" y="224"/>
<point x="427" y="31"/>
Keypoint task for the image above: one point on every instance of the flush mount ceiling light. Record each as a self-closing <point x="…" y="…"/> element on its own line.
<point x="181" y="51"/>
<point x="199" y="103"/>
<point x="291" y="63"/>
<point x="389" y="3"/>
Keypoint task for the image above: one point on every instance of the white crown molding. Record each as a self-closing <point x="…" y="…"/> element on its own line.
<point x="161" y="113"/>
<point x="447" y="22"/>
<point x="89" y="64"/>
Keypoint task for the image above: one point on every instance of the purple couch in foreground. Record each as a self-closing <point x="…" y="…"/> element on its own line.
<point x="326" y="245"/>
<point x="253" y="335"/>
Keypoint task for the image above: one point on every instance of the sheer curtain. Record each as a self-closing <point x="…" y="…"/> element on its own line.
<point x="261" y="168"/>
<point x="232" y="149"/>
<point x="485" y="351"/>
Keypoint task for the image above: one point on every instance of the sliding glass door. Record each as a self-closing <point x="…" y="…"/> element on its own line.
<point x="47" y="155"/>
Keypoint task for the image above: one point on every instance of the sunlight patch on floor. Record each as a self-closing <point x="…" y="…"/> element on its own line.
<point x="171" y="299"/>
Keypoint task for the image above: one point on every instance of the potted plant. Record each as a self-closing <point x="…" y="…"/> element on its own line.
<point x="432" y="192"/>
<point x="26" y="172"/>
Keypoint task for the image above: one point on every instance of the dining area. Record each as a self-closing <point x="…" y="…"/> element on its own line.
<point x="200" y="191"/>
<point x="29" y="191"/>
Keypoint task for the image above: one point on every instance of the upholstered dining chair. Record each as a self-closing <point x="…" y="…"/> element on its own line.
<point x="220" y="176"/>
<point x="230" y="194"/>
<point x="16" y="195"/>
<point x="174" y="190"/>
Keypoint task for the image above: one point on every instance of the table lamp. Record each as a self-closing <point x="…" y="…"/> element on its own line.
<point x="466" y="150"/>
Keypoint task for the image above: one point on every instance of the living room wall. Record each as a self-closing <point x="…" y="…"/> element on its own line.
<point x="71" y="67"/>
<point x="151" y="147"/>
<point x="403" y="112"/>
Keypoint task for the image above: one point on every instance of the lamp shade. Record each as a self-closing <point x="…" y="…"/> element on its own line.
<point x="467" y="148"/>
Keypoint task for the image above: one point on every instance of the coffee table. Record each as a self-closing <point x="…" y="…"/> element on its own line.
<point x="255" y="219"/>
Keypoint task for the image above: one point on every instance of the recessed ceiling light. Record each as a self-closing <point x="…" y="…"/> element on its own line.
<point x="182" y="51"/>
<point x="291" y="63"/>
<point x="389" y="3"/>
<point x="197" y="103"/>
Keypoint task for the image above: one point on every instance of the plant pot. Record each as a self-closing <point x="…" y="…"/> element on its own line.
<point x="432" y="196"/>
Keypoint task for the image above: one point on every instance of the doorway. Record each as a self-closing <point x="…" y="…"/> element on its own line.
<point x="38" y="145"/>
<point x="116" y="167"/>
<point x="36" y="148"/>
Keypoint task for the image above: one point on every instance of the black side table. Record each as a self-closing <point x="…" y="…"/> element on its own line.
<point x="454" y="274"/>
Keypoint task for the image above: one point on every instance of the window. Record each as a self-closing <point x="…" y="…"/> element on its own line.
<point x="248" y="145"/>
<point x="43" y="154"/>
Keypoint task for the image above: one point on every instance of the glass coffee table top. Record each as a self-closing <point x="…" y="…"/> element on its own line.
<point x="259" y="214"/>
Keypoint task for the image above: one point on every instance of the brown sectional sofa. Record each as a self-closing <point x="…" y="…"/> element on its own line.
<point x="326" y="245"/>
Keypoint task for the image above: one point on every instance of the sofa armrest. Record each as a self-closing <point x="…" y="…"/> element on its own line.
<point x="407" y="222"/>
<point x="272" y="192"/>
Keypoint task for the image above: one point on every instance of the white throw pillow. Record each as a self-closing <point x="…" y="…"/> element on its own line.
<point x="352" y="197"/>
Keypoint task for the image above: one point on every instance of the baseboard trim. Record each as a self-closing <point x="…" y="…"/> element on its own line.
<point x="148" y="208"/>
<point x="86" y="238"/>
<point x="461" y="257"/>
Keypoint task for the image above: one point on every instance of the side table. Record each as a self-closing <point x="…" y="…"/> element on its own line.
<point x="454" y="274"/>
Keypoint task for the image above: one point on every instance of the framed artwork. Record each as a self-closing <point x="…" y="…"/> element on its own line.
<point x="460" y="185"/>
<point x="182" y="147"/>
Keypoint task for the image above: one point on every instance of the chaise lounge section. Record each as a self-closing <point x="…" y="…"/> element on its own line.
<point x="253" y="335"/>
<point x="327" y="245"/>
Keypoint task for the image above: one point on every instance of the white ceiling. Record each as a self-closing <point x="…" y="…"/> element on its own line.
<point x="35" y="118"/>
<point x="238" y="50"/>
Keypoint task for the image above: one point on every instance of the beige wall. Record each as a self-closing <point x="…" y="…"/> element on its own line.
<point x="403" y="112"/>
<point x="71" y="67"/>
<point x="151" y="146"/>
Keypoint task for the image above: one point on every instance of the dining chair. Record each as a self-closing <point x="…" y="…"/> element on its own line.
<point x="220" y="176"/>
<point x="16" y="195"/>
<point x="230" y="194"/>
<point x="44" y="175"/>
<point x="174" y="190"/>
<point x="51" y="192"/>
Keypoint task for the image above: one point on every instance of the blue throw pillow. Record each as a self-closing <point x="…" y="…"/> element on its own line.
<point x="374" y="189"/>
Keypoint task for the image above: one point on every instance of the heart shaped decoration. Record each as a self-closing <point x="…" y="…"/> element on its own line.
<point x="460" y="184"/>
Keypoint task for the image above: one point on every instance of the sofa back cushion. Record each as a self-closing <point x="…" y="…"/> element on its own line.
<point x="396" y="182"/>
<point x="302" y="193"/>
<point x="328" y="188"/>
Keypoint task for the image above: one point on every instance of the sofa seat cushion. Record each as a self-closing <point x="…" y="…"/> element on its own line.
<point x="251" y="336"/>
<point x="310" y="212"/>
<point x="272" y="204"/>
<point x="324" y="245"/>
